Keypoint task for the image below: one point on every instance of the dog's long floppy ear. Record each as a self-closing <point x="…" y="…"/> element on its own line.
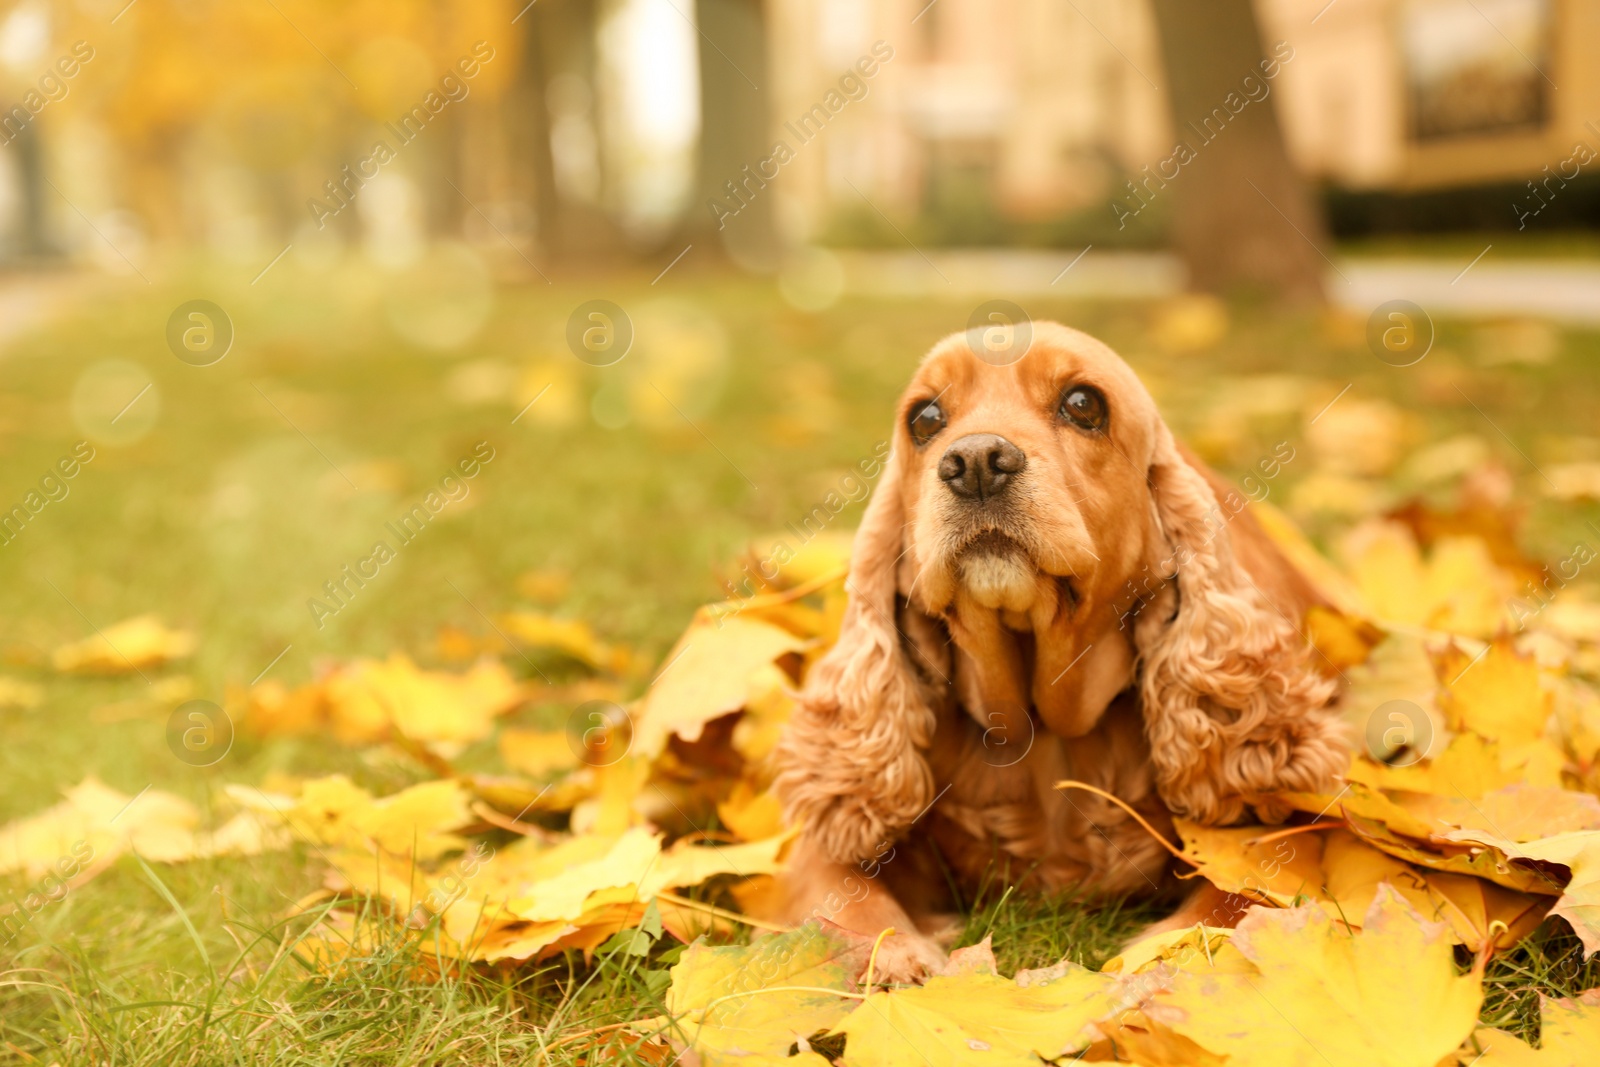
<point x="850" y="766"/>
<point x="1232" y="706"/>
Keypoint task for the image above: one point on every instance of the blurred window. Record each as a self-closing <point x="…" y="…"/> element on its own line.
<point x="1475" y="66"/>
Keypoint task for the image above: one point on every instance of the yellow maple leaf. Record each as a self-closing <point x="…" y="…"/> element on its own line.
<point x="977" y="1019"/>
<point x="1468" y="766"/>
<point x="1500" y="696"/>
<point x="1457" y="589"/>
<point x="614" y="805"/>
<point x="1386" y="565"/>
<point x="1342" y="641"/>
<point x="1352" y="872"/>
<point x="1343" y="873"/>
<point x="126" y="647"/>
<point x="1481" y="913"/>
<point x="737" y="1001"/>
<point x="339" y="943"/>
<point x="1470" y="594"/>
<point x="531" y="899"/>
<point x="825" y="556"/>
<point x="1321" y="995"/>
<point x="570" y="637"/>
<point x="369" y="697"/>
<point x="624" y="865"/>
<point x="1282" y="871"/>
<point x="767" y="710"/>
<point x="1516" y="812"/>
<point x="690" y="863"/>
<point x="272" y="709"/>
<point x="708" y="674"/>
<point x="1397" y="669"/>
<point x="336" y="812"/>
<point x="537" y="752"/>
<point x="750" y="812"/>
<point x="1576" y="854"/>
<point x="15" y="693"/>
<point x="1440" y="854"/>
<point x="1409" y="827"/>
<point x="95" y="823"/>
<point x="1569" y="1034"/>
<point x="1173" y="947"/>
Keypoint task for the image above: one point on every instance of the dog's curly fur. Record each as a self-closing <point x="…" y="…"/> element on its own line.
<point x="1106" y="616"/>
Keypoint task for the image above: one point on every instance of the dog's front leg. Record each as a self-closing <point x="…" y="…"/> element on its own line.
<point x="856" y="898"/>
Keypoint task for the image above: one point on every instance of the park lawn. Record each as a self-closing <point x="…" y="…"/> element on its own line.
<point x="260" y="477"/>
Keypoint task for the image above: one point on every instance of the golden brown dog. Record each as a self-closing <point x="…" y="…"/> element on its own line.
<point x="1045" y="585"/>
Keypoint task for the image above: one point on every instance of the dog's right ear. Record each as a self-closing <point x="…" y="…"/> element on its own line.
<point x="851" y="772"/>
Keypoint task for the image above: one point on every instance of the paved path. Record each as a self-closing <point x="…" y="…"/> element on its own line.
<point x="1565" y="290"/>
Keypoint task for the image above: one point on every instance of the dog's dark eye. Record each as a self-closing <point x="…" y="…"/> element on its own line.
<point x="925" y="421"/>
<point x="1085" y="407"/>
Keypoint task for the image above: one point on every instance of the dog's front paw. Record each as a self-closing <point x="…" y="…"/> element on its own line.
<point x="907" y="959"/>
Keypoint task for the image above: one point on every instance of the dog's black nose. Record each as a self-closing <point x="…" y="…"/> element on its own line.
<point x="980" y="465"/>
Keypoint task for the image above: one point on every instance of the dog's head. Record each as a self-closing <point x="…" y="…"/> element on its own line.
<point x="1029" y="511"/>
<point x="1044" y="513"/>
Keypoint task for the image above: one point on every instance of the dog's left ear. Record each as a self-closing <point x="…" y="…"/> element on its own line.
<point x="1232" y="705"/>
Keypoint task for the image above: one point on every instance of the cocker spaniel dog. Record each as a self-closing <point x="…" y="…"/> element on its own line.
<point x="1045" y="586"/>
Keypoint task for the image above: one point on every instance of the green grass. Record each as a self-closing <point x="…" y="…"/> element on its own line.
<point x="233" y="509"/>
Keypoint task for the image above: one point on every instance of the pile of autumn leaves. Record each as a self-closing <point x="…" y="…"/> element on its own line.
<point x="591" y="835"/>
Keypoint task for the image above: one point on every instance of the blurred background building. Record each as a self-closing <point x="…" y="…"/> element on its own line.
<point x="1032" y="111"/>
<point x="609" y="129"/>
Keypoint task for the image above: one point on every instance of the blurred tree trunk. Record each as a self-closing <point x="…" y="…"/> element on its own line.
<point x="531" y="102"/>
<point x="1228" y="233"/>
<point x="32" y="242"/>
<point x="562" y="64"/>
<point x="735" y="132"/>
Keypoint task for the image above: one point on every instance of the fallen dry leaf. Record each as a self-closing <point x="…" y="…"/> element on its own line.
<point x="1569" y="1034"/>
<point x="368" y="698"/>
<point x="125" y="648"/>
<point x="1359" y="436"/>
<point x="1438" y="854"/>
<point x="1468" y="766"/>
<point x="537" y="752"/>
<point x="529" y="899"/>
<point x="1388" y="996"/>
<point x="1457" y="588"/>
<point x="1398" y="668"/>
<point x="733" y="1002"/>
<point x="337" y="813"/>
<point x="97" y="823"/>
<point x="1483" y="914"/>
<point x="1281" y="872"/>
<point x="1570" y="859"/>
<point x="750" y="813"/>
<point x="979" y="1019"/>
<point x="1172" y="946"/>
<point x="766" y="711"/>
<point x="371" y="700"/>
<point x="708" y="674"/>
<point x="1498" y="694"/>
<point x="570" y="637"/>
<point x="15" y="693"/>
